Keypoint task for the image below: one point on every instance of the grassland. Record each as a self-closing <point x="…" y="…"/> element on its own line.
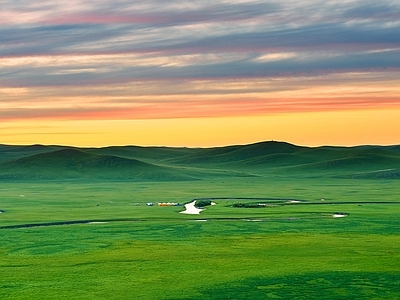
<point x="127" y="250"/>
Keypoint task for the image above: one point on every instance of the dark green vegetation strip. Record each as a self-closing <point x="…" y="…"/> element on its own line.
<point x="323" y="285"/>
<point x="247" y="198"/>
<point x="61" y="223"/>
<point x="236" y="205"/>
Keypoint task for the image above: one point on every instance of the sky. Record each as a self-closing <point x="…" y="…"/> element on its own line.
<point x="199" y="73"/>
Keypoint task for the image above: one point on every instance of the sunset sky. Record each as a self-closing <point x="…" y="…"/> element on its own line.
<point x="199" y="73"/>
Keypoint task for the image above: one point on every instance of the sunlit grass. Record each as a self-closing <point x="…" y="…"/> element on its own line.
<point x="170" y="255"/>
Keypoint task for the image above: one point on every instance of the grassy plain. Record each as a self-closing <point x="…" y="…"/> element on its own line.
<point x="134" y="251"/>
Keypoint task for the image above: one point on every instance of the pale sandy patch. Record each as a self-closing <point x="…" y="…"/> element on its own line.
<point x="191" y="209"/>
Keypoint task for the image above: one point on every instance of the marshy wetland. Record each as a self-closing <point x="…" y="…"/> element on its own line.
<point x="75" y="224"/>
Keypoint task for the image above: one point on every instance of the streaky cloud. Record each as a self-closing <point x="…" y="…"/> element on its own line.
<point x="139" y="59"/>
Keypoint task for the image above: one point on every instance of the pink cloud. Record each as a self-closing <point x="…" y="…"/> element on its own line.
<point x="197" y="109"/>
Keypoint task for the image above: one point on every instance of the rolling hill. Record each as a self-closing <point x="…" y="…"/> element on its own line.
<point x="39" y="162"/>
<point x="73" y="163"/>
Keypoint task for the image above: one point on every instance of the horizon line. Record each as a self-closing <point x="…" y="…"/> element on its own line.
<point x="199" y="147"/>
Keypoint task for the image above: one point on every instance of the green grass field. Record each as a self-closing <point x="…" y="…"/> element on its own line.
<point x="127" y="250"/>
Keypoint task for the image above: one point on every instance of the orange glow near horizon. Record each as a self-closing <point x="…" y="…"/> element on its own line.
<point x="345" y="128"/>
<point x="203" y="113"/>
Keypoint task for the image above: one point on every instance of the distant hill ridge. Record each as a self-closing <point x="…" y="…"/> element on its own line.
<point x="39" y="162"/>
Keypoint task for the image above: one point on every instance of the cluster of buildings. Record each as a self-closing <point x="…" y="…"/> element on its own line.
<point x="164" y="204"/>
<point x="168" y="204"/>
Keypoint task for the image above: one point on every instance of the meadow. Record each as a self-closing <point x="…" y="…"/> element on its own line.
<point x="120" y="248"/>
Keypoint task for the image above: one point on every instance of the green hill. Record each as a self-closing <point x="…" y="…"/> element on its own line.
<point x="150" y="154"/>
<point x="238" y="154"/>
<point x="39" y="162"/>
<point x="8" y="151"/>
<point x="73" y="163"/>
